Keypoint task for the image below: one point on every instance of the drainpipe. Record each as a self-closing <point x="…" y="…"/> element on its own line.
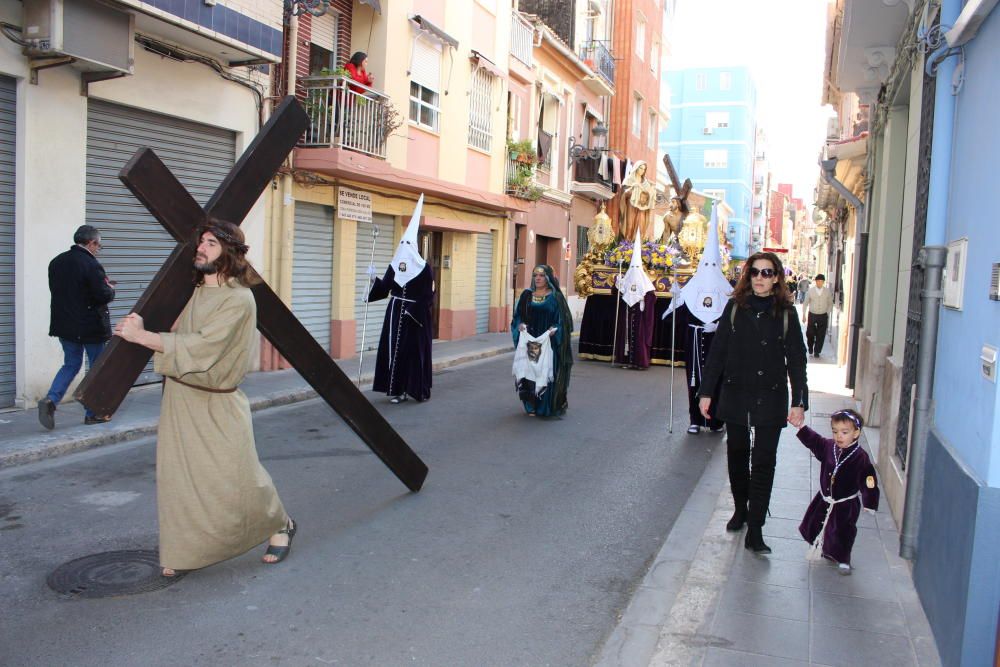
<point x="933" y="257"/>
<point x="828" y="169"/>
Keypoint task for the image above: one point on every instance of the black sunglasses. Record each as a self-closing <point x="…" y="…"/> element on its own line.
<point x="766" y="273"/>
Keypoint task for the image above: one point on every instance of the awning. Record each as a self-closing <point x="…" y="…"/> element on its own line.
<point x="435" y="31"/>
<point x="479" y="60"/>
<point x="374" y="4"/>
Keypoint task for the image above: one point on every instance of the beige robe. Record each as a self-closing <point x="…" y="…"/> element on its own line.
<point x="215" y="500"/>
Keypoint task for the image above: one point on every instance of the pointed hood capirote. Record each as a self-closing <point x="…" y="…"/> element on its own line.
<point x="635" y="284"/>
<point x="407" y="263"/>
<point x="707" y="292"/>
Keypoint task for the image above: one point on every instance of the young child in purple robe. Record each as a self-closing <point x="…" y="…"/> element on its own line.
<point x="847" y="484"/>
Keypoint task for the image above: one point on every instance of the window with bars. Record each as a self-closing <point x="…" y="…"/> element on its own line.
<point x="481" y="109"/>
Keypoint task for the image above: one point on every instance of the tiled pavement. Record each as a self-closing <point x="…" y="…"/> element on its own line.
<point x="708" y="601"/>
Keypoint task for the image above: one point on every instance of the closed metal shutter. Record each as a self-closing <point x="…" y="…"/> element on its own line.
<point x="312" y="269"/>
<point x="324" y="32"/>
<point x="484" y="280"/>
<point x="135" y="245"/>
<point x="385" y="246"/>
<point x="8" y="355"/>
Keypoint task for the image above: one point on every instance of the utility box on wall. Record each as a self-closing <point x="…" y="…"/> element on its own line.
<point x="100" y="38"/>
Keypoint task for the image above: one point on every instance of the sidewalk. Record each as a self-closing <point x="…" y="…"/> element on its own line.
<point x="708" y="601"/>
<point x="23" y="439"/>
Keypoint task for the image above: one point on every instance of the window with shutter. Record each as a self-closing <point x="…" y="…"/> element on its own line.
<point x="425" y="84"/>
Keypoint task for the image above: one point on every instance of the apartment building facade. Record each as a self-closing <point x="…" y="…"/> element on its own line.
<point x="711" y="139"/>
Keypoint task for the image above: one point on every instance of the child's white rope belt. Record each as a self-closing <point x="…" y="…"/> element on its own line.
<point x="816" y="551"/>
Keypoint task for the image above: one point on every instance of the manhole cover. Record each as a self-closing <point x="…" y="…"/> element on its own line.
<point x="109" y="574"/>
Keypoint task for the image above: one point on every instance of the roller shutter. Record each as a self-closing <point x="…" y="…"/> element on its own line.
<point x="135" y="245"/>
<point x="484" y="280"/>
<point x="312" y="269"/>
<point x="8" y="356"/>
<point x="385" y="246"/>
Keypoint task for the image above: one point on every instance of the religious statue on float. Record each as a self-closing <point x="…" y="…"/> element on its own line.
<point x="639" y="197"/>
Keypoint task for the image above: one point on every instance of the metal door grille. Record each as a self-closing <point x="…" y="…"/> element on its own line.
<point x="911" y="349"/>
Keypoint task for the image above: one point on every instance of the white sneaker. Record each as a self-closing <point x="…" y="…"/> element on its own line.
<point x="843" y="569"/>
<point x="693" y="429"/>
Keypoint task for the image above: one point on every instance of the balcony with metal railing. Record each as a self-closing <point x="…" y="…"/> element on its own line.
<point x="346" y="114"/>
<point x="598" y="56"/>
<point x="522" y="38"/>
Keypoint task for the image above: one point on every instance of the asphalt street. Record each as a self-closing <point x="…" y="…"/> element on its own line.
<point x="523" y="548"/>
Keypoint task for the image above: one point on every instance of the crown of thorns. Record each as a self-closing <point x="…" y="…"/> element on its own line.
<point x="223" y="235"/>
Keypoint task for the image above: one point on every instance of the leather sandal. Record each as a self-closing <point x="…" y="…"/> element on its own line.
<point x="280" y="553"/>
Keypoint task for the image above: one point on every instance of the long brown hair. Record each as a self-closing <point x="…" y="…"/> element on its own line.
<point x="232" y="263"/>
<point x="743" y="290"/>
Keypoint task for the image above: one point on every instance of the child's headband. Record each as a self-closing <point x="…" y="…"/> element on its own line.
<point x="840" y="415"/>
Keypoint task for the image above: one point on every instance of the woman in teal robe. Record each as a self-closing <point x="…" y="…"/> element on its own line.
<point x="540" y="308"/>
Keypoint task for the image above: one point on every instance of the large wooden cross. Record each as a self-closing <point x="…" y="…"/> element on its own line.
<point x="107" y="383"/>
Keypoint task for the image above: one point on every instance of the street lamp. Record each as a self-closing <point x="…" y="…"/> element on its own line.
<point x="579" y="151"/>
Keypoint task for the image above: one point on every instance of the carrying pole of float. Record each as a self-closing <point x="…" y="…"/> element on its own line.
<point x="673" y="347"/>
<point x="364" y="323"/>
<point x="614" y="339"/>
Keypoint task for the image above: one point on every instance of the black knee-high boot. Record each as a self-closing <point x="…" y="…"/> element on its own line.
<point x="738" y="459"/>
<point x="762" y="461"/>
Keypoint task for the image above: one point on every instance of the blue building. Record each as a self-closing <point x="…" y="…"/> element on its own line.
<point x="924" y="288"/>
<point x="710" y="139"/>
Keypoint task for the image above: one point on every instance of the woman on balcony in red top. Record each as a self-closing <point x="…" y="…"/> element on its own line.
<point x="356" y="69"/>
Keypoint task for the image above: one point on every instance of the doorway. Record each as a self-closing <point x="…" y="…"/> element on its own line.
<point x="430" y="244"/>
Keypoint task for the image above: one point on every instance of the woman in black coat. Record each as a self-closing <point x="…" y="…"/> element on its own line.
<point x="757" y="350"/>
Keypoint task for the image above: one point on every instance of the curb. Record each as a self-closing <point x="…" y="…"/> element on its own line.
<point x="72" y="444"/>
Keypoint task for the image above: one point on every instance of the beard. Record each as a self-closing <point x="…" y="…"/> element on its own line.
<point x="205" y="268"/>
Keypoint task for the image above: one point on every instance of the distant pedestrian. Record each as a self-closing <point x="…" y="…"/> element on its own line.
<point x="542" y="310"/>
<point x="79" y="316"/>
<point x="756" y="351"/>
<point x="846" y="475"/>
<point x="803" y="287"/>
<point x="816" y="309"/>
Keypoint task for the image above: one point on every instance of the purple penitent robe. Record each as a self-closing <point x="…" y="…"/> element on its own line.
<point x="855" y="475"/>
<point x="634" y="340"/>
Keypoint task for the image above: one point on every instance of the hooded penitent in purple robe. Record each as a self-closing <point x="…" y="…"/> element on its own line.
<point x="854" y="476"/>
<point x="634" y="340"/>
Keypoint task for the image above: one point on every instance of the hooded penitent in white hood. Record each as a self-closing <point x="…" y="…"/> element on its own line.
<point x="706" y="293"/>
<point x="407" y="262"/>
<point x="635" y="284"/>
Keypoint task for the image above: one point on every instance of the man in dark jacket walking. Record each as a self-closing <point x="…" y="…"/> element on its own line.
<point x="81" y="293"/>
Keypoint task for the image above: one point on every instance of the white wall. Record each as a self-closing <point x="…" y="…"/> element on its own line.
<point x="51" y="178"/>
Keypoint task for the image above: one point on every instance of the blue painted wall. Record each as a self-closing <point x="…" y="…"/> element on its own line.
<point x="957" y="569"/>
<point x="685" y="140"/>
<point x="966" y="410"/>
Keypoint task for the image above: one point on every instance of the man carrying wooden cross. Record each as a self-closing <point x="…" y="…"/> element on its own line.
<point x="215" y="500"/>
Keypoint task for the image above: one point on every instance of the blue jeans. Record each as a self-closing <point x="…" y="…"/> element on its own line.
<point x="72" y="361"/>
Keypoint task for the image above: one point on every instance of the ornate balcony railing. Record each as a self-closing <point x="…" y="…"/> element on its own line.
<point x="600" y="59"/>
<point x="345" y="114"/>
<point x="522" y="37"/>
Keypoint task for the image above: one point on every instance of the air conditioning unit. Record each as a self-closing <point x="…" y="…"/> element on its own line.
<point x="100" y="38"/>
<point x="707" y="130"/>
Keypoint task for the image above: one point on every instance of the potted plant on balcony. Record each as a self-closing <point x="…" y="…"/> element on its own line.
<point x="521" y="183"/>
<point x="522" y="152"/>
